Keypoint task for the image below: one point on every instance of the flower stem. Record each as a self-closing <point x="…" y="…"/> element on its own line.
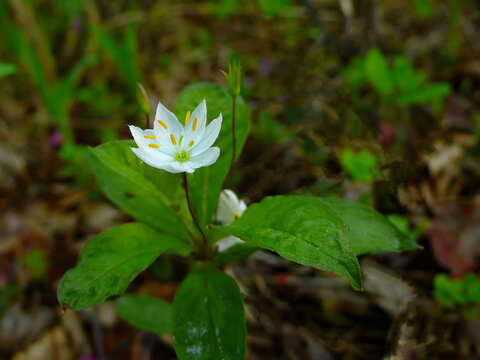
<point x="234" y="152"/>
<point x="203" y="247"/>
<point x="234" y="142"/>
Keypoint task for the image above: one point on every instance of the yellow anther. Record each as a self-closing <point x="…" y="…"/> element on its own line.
<point x="190" y="143"/>
<point x="163" y="124"/>
<point x="180" y="141"/>
<point x="194" y="127"/>
<point x="187" y="117"/>
<point x="150" y="137"/>
<point x="174" y="142"/>
<point x="155" y="146"/>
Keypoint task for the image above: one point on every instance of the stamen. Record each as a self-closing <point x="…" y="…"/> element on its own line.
<point x="155" y="146"/>
<point x="150" y="137"/>
<point x="187" y="117"/>
<point x="191" y="143"/>
<point x="180" y="141"/>
<point x="174" y="142"/>
<point x="163" y="124"/>
<point x="194" y="127"/>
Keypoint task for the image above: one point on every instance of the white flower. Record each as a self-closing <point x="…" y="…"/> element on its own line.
<point x="176" y="148"/>
<point x="229" y="208"/>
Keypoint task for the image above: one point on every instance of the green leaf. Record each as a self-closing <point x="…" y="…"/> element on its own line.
<point x="424" y="8"/>
<point x="301" y="229"/>
<point x="36" y="263"/>
<point x="424" y="94"/>
<point x="224" y="8"/>
<point x="270" y="8"/>
<point x="209" y="317"/>
<point x="236" y="252"/>
<point x="145" y="313"/>
<point x="7" y="69"/>
<point x="355" y="73"/>
<point x="152" y="196"/>
<point x="206" y="183"/>
<point x="360" y="166"/>
<point x="378" y="72"/>
<point x="402" y="224"/>
<point x="448" y="292"/>
<point x="471" y="288"/>
<point x="111" y="260"/>
<point x="404" y="76"/>
<point x="123" y="52"/>
<point x="60" y="96"/>
<point x="368" y="230"/>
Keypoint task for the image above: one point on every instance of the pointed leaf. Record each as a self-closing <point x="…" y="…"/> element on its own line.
<point x="301" y="229"/>
<point x="7" y="69"/>
<point x="369" y="231"/>
<point x="209" y="317"/>
<point x="152" y="196"/>
<point x="111" y="260"/>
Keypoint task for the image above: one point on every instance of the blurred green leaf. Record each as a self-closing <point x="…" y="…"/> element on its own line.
<point x="428" y="93"/>
<point x="424" y="8"/>
<point x="401" y="222"/>
<point x="462" y="292"/>
<point x="361" y="166"/>
<point x="271" y="8"/>
<point x="145" y="313"/>
<point x="404" y="76"/>
<point x="71" y="7"/>
<point x="36" y="263"/>
<point x="470" y="313"/>
<point x="355" y="73"/>
<point x="270" y="129"/>
<point x="224" y="8"/>
<point x="377" y="72"/>
<point x="7" y="69"/>
<point x="59" y="97"/>
<point x="123" y="53"/>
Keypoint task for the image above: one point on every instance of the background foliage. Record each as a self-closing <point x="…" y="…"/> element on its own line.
<point x="374" y="102"/>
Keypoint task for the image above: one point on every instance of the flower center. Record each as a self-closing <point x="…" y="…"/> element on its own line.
<point x="182" y="156"/>
<point x="234" y="217"/>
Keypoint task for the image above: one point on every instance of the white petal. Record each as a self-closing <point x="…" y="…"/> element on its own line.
<point x="224" y="244"/>
<point x="229" y="207"/>
<point x="226" y="207"/>
<point x="200" y="113"/>
<point x="178" y="167"/>
<point x="142" y="142"/>
<point x="207" y="158"/>
<point x="209" y="137"/>
<point x="165" y="118"/>
<point x="153" y="158"/>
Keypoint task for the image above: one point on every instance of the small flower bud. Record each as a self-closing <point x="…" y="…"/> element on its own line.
<point x="234" y="78"/>
<point x="142" y="99"/>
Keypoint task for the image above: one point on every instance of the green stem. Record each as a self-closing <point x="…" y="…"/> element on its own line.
<point x="234" y="152"/>
<point x="202" y="248"/>
<point x="234" y="142"/>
